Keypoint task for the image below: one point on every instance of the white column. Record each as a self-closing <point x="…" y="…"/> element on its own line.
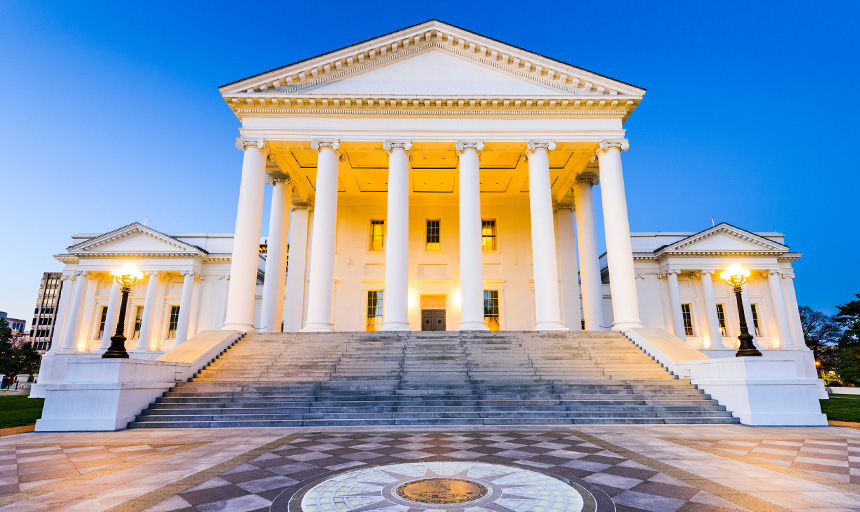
<point x="294" y="297"/>
<point x="589" y="256"/>
<point x="63" y="305"/>
<point x="793" y="310"/>
<point x="675" y="303"/>
<point x="619" y="251"/>
<point x="147" y="342"/>
<point x="272" y="313"/>
<point x="246" y="240"/>
<point x="471" y="248"/>
<point x="112" y="314"/>
<point x="323" y="240"/>
<point x="774" y="279"/>
<point x="184" y="319"/>
<point x="544" y="253"/>
<point x="567" y="268"/>
<point x="710" y="303"/>
<point x="395" y="299"/>
<point x="72" y="326"/>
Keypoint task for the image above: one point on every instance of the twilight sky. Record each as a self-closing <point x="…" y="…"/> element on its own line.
<point x="111" y="113"/>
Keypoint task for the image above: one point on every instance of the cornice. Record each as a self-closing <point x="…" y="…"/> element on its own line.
<point x="442" y="106"/>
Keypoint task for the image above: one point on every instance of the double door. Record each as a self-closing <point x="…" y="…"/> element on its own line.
<point x="432" y="319"/>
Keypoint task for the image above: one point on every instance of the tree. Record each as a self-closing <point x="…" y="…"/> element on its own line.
<point x="849" y="342"/>
<point x="819" y="330"/>
<point x="16" y="357"/>
<point x="6" y="349"/>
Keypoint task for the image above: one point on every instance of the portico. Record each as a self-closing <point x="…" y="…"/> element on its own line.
<point x="432" y="131"/>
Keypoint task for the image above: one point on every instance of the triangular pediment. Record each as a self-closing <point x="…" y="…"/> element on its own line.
<point x="724" y="238"/>
<point x="134" y="239"/>
<point x="429" y="59"/>
<point x="432" y="73"/>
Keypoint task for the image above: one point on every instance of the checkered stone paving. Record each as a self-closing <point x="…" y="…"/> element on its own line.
<point x="27" y="467"/>
<point x="272" y="480"/>
<point x="833" y="458"/>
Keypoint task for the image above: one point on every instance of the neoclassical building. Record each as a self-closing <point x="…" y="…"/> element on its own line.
<point x="429" y="179"/>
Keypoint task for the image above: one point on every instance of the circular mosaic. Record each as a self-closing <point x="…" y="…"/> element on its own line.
<point x="442" y="490"/>
<point x="445" y="485"/>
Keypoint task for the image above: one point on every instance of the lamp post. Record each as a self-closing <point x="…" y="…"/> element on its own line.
<point x="736" y="276"/>
<point x="127" y="276"/>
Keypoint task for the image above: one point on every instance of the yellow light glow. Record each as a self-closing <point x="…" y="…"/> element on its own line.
<point x="128" y="275"/>
<point x="735" y="274"/>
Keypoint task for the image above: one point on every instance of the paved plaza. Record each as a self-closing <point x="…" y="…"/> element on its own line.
<point x="629" y="468"/>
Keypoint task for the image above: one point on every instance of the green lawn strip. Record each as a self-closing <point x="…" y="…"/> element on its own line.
<point x="838" y="409"/>
<point x="19" y="410"/>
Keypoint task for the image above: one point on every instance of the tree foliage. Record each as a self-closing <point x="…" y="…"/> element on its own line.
<point x="819" y="329"/>
<point x="849" y="342"/>
<point x="16" y="358"/>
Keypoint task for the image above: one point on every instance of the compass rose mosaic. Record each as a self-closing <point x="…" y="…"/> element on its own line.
<point x="445" y="485"/>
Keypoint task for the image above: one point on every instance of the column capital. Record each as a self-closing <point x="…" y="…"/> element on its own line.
<point x="477" y="145"/>
<point x="274" y="180"/>
<point x="586" y="178"/>
<point x="158" y="274"/>
<point x="71" y="275"/>
<point x="318" y="144"/>
<point x="244" y="144"/>
<point x="604" y="145"/>
<point x="563" y="206"/>
<point x="664" y="272"/>
<point x="548" y="145"/>
<point x="389" y="145"/>
<point x="708" y="271"/>
<point x="302" y="206"/>
<point x="191" y="273"/>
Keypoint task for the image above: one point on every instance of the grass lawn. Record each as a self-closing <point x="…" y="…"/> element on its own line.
<point x="842" y="409"/>
<point x="18" y="410"/>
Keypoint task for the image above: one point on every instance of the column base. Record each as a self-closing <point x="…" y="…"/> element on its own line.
<point x="473" y="326"/>
<point x="626" y="326"/>
<point x="395" y="326"/>
<point x="317" y="327"/>
<point x="551" y="326"/>
<point x="238" y="327"/>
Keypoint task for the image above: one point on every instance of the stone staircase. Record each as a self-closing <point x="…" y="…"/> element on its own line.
<point x="431" y="378"/>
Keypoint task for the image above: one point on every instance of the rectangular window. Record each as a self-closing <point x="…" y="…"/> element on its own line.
<point x="433" y="240"/>
<point x="377" y="235"/>
<point x="721" y="317"/>
<point x="688" y="319"/>
<point x="102" y="320"/>
<point x="374" y="310"/>
<point x="491" y="309"/>
<point x="755" y="319"/>
<point x="138" y="317"/>
<point x="172" y="322"/>
<point x="488" y="234"/>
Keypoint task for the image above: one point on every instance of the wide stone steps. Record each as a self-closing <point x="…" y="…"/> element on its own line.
<point x="349" y="379"/>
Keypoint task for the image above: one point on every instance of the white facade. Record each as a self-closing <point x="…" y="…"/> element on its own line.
<point x="452" y="177"/>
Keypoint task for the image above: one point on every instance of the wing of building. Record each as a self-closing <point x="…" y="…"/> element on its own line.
<point x="432" y="179"/>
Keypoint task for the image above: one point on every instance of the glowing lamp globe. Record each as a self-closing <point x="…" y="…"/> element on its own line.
<point x="128" y="275"/>
<point x="735" y="275"/>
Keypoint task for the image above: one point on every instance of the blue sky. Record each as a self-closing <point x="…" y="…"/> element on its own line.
<point x="111" y="113"/>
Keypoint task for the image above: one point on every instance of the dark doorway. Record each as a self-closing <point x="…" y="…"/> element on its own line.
<point x="432" y="319"/>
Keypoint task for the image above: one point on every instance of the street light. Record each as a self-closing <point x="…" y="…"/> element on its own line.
<point x="736" y="276"/>
<point x="127" y="276"/>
